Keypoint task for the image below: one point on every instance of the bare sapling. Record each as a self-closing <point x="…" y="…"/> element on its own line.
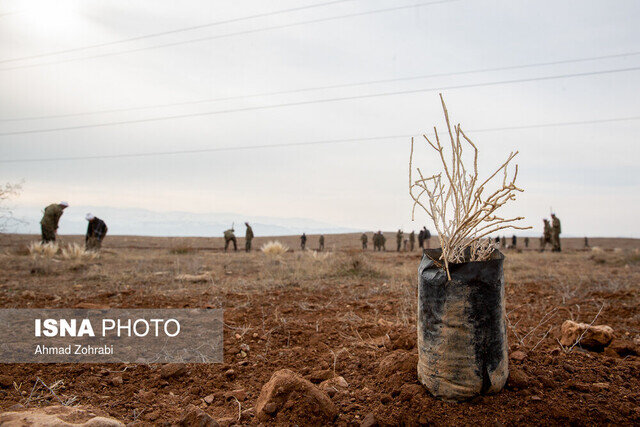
<point x="459" y="203"/>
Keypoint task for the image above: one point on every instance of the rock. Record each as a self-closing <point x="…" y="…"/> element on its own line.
<point x="6" y="381"/>
<point x="116" y="380"/>
<point x="196" y="417"/>
<point x="369" y="420"/>
<point x="518" y="356"/>
<point x="407" y="391"/>
<point x="518" y="379"/>
<point x="172" y="370"/>
<point x="536" y="398"/>
<point x="245" y="347"/>
<point x="209" y="399"/>
<point x="595" y="337"/>
<point x="398" y="361"/>
<point x="239" y="394"/>
<point x="230" y="373"/>
<point x="294" y="400"/>
<point x="334" y="385"/>
<point x="58" y="416"/>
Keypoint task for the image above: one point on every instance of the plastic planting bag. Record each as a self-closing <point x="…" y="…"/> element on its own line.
<point x="462" y="333"/>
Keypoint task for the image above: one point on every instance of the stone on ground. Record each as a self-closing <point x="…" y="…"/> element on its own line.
<point x="594" y="337"/>
<point x="289" y="398"/>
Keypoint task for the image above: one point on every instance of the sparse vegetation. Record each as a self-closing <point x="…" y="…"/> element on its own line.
<point x="46" y="250"/>
<point x="274" y="249"/>
<point x="345" y="314"/>
<point x="75" y="252"/>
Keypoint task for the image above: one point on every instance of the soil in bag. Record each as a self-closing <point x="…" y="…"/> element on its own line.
<point x="462" y="335"/>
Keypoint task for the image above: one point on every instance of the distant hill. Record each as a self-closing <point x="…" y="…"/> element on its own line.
<point x="143" y="222"/>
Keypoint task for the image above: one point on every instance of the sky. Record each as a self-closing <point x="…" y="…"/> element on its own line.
<point x="587" y="172"/>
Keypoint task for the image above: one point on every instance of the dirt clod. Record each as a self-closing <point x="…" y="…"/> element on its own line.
<point x="369" y="420"/>
<point x="172" y="370"/>
<point x="292" y="399"/>
<point x="518" y="355"/>
<point x="196" y="417"/>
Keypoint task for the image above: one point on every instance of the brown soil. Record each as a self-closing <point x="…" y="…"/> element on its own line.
<point x="351" y="315"/>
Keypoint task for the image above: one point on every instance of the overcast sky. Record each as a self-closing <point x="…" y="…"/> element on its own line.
<point x="587" y="173"/>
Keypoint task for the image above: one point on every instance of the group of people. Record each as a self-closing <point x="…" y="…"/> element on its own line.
<point x="96" y="228"/>
<point x="230" y="237"/>
<point x="303" y="242"/>
<point x="379" y="240"/>
<point x="551" y="234"/>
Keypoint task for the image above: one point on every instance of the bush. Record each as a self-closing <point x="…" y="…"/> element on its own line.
<point x="77" y="253"/>
<point x="274" y="249"/>
<point x="47" y="250"/>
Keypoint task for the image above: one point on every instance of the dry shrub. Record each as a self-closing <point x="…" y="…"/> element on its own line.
<point x="75" y="252"/>
<point x="462" y="212"/>
<point x="318" y="256"/>
<point x="274" y="249"/>
<point x="46" y="250"/>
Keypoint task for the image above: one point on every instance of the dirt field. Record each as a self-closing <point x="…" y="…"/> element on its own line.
<point x="338" y="314"/>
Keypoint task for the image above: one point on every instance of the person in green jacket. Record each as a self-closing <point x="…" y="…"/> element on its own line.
<point x="229" y="236"/>
<point x="50" y="219"/>
<point x="248" y="237"/>
<point x="399" y="240"/>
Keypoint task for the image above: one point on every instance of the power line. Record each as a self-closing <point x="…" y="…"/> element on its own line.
<point x="318" y="101"/>
<point x="220" y="36"/>
<point x="178" y="30"/>
<point x="301" y="144"/>
<point x="335" y="86"/>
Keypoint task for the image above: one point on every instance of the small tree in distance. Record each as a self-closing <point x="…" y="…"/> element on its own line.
<point x="7" y="191"/>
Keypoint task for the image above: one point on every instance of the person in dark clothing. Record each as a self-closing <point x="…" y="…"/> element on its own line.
<point x="514" y="241"/>
<point x="50" y="220"/>
<point x="426" y="235"/>
<point x="526" y="242"/>
<point x="321" y="243"/>
<point x="421" y="239"/>
<point x="96" y="231"/>
<point x="303" y="241"/>
<point x="248" y="237"/>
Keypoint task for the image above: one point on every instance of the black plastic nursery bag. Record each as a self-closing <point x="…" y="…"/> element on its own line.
<point x="462" y="332"/>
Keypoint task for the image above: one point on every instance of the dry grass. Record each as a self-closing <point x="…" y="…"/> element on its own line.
<point x="75" y="252"/>
<point x="46" y="250"/>
<point x="274" y="249"/>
